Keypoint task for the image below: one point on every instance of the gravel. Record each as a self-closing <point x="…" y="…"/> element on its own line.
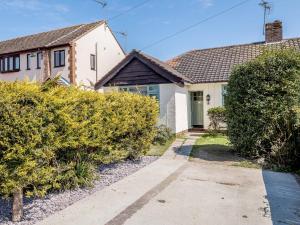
<point x="36" y="209"/>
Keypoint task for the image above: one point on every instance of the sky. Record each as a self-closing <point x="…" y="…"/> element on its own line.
<point x="153" y="21"/>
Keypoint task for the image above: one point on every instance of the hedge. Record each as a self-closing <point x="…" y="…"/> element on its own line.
<point x="261" y="103"/>
<point x="52" y="137"/>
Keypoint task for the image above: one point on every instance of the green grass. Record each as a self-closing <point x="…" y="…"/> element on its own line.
<point x="247" y="164"/>
<point x="159" y="150"/>
<point x="218" y="147"/>
<point x="213" y="144"/>
<point x="209" y="139"/>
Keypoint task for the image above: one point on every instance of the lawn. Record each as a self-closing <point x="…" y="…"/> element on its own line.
<point x="218" y="139"/>
<point x="159" y="150"/>
<point x="218" y="148"/>
<point x="210" y="146"/>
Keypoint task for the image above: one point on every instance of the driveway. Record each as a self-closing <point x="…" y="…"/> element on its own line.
<point x="206" y="190"/>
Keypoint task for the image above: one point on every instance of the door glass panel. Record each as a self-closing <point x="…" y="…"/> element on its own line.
<point x="197" y="108"/>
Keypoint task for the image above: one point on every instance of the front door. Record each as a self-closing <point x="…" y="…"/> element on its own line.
<point x="197" y="108"/>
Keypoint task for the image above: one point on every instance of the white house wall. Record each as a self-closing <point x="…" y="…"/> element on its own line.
<point x="181" y="105"/>
<point x="35" y="74"/>
<point x="167" y="106"/>
<point x="32" y="75"/>
<point x="108" y="50"/>
<point x="215" y="92"/>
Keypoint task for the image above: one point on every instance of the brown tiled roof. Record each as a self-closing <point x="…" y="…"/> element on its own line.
<point x="52" y="38"/>
<point x="215" y="64"/>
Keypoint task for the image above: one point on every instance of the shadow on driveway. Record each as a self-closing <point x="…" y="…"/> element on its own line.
<point x="283" y="189"/>
<point x="283" y="194"/>
<point x="214" y="153"/>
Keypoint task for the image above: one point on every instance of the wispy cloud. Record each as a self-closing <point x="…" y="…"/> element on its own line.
<point x="206" y="3"/>
<point x="33" y="6"/>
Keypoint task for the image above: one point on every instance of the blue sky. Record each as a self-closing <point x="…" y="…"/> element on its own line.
<point x="153" y="21"/>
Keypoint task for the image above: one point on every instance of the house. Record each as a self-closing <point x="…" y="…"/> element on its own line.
<point x="81" y="54"/>
<point x="189" y="84"/>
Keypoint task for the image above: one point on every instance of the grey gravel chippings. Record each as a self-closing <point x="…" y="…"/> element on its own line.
<point x="36" y="209"/>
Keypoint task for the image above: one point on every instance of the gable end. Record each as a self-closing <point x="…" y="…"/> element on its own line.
<point x="136" y="73"/>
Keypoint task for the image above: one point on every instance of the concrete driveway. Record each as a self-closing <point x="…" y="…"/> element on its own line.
<point x="204" y="190"/>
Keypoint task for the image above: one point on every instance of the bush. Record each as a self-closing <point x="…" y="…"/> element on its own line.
<point x="52" y="137"/>
<point x="260" y="105"/>
<point x="163" y="134"/>
<point x="217" y="117"/>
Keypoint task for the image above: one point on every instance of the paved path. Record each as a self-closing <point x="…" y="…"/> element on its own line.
<point x="205" y="190"/>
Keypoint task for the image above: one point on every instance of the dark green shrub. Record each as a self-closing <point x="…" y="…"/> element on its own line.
<point x="262" y="95"/>
<point x="217" y="117"/>
<point x="163" y="134"/>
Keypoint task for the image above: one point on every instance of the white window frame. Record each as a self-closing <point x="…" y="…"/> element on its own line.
<point x="151" y="90"/>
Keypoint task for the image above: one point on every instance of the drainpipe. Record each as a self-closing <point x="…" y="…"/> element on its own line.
<point x="96" y="53"/>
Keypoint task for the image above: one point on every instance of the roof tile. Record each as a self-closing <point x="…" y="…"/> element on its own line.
<point x="46" y="39"/>
<point x="216" y="64"/>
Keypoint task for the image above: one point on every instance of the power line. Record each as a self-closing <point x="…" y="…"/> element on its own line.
<point x="128" y="10"/>
<point x="196" y="24"/>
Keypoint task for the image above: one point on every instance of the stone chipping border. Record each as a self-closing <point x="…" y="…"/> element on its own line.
<point x="36" y="209"/>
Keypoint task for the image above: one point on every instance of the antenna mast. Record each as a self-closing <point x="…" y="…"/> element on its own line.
<point x="102" y="3"/>
<point x="267" y="8"/>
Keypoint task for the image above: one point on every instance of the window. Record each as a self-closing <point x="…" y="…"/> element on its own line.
<point x="224" y="93"/>
<point x="59" y="58"/>
<point x="147" y="90"/>
<point x="38" y="60"/>
<point x="28" y="61"/>
<point x="10" y="64"/>
<point x="93" y="62"/>
<point x="17" y="63"/>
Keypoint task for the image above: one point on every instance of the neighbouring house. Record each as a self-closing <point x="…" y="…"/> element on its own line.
<point x="190" y="84"/>
<point x="80" y="54"/>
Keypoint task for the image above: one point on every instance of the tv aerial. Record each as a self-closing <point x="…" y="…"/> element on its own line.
<point x="101" y="2"/>
<point x="267" y="9"/>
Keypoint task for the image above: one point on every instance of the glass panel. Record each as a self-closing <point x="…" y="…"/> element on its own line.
<point x="142" y="90"/>
<point x="1" y="65"/>
<point x="151" y="90"/>
<point x="62" y="58"/>
<point x="17" y="63"/>
<point x="39" y="58"/>
<point x="28" y="61"/>
<point x="224" y="93"/>
<point x="11" y="63"/>
<point x="5" y="64"/>
<point x="93" y="62"/>
<point x="56" y="58"/>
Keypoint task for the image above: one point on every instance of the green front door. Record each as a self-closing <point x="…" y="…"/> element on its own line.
<point x="197" y="108"/>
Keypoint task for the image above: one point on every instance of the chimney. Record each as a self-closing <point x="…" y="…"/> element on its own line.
<point x="273" y="31"/>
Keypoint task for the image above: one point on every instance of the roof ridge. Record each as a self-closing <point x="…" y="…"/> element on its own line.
<point x="30" y="35"/>
<point x="163" y="65"/>
<point x="44" y="32"/>
<point x="227" y="46"/>
<point x="61" y="37"/>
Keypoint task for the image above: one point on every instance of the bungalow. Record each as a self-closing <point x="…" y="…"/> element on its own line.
<point x="190" y="84"/>
<point x="81" y="54"/>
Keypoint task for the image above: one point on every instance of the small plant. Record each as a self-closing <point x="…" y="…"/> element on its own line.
<point x="217" y="117"/>
<point x="163" y="134"/>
